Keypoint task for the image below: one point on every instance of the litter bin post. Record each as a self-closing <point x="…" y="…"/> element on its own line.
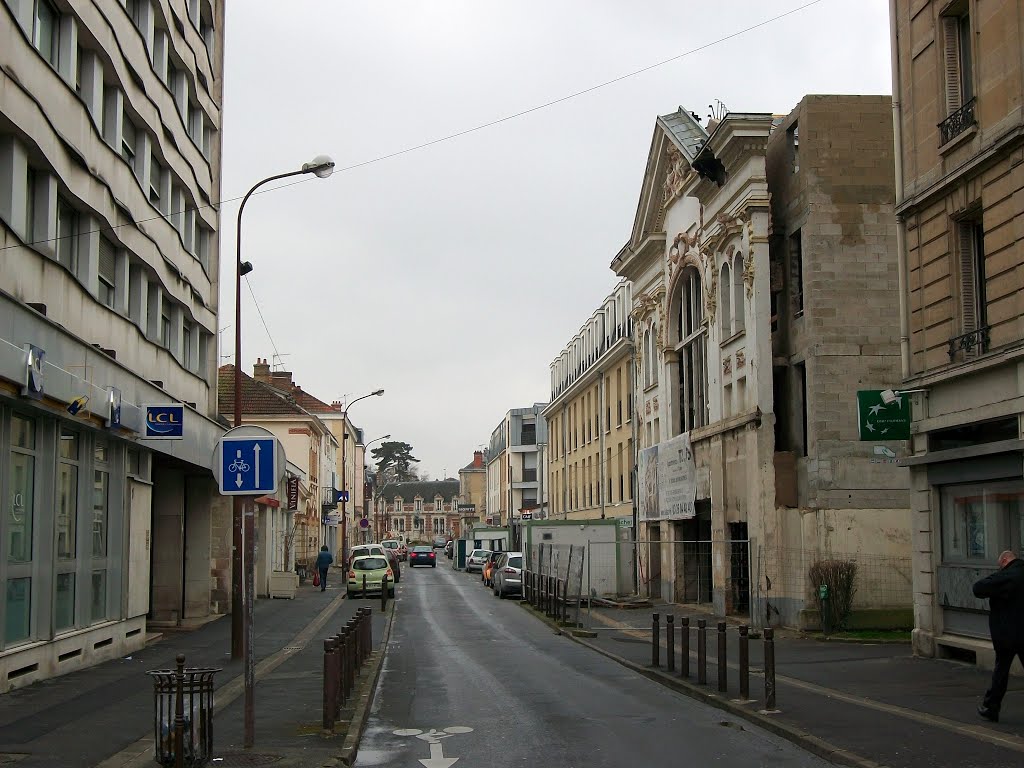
<point x="183" y="715"/>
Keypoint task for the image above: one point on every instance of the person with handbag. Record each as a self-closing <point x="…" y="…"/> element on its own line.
<point x="323" y="562"/>
<point x="1004" y="590"/>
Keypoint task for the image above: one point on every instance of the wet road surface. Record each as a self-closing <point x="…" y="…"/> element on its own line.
<point x="470" y="677"/>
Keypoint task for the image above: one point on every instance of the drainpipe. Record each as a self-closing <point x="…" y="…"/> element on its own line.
<point x="901" y="227"/>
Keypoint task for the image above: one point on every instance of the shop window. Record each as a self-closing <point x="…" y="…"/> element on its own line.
<point x="981" y="520"/>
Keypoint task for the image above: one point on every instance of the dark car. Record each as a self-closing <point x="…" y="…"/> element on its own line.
<point x="422" y="556"/>
<point x="440" y="542"/>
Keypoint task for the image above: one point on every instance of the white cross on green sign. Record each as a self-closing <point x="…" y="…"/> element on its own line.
<point x="879" y="421"/>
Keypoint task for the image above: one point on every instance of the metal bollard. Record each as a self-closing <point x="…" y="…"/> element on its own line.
<point x="346" y="662"/>
<point x="744" y="662"/>
<point x="339" y="674"/>
<point x="330" y="685"/>
<point x="702" y="651"/>
<point x="353" y="639"/>
<point x="670" y="636"/>
<point x="363" y="594"/>
<point x="369" y="631"/>
<point x="769" y="669"/>
<point x="384" y="594"/>
<point x="723" y="653"/>
<point x="684" y="651"/>
<point x="655" y="641"/>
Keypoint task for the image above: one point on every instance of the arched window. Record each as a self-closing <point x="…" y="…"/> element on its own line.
<point x="655" y="363"/>
<point x="691" y="351"/>
<point x="737" y="293"/>
<point x="648" y="362"/>
<point x="725" y="291"/>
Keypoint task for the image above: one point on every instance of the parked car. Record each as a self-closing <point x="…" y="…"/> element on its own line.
<point x="397" y="547"/>
<point x="366" y="574"/>
<point x="449" y="550"/>
<point x="488" y="568"/>
<point x="477" y="560"/>
<point x="362" y="550"/>
<point x="508" y="575"/>
<point x="440" y="542"/>
<point x="423" y="556"/>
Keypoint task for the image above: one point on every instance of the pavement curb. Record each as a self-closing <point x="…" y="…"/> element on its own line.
<point x="804" y="739"/>
<point x="361" y="714"/>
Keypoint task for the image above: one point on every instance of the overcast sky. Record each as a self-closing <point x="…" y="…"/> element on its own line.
<point x="453" y="275"/>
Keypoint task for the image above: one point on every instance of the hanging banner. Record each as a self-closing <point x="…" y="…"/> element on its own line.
<point x="647" y="475"/>
<point x="677" y="479"/>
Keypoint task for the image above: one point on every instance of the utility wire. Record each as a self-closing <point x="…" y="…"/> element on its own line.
<point x="465" y="132"/>
<point x="263" y="319"/>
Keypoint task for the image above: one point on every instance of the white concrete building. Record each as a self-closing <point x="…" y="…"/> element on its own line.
<point x="109" y="190"/>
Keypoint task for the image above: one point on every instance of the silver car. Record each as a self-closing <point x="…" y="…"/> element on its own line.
<point x="508" y="575"/>
<point x="477" y="560"/>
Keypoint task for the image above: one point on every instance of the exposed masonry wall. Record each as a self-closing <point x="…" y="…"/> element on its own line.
<point x="840" y="200"/>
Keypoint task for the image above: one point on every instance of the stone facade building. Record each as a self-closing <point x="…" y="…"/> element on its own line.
<point x="110" y="175"/>
<point x="959" y="84"/>
<point x="590" y="424"/>
<point x="764" y="270"/>
<point x="473" y="490"/>
<point x="419" y="510"/>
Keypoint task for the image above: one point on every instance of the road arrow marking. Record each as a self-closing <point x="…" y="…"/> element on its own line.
<point x="256" y="450"/>
<point x="437" y="758"/>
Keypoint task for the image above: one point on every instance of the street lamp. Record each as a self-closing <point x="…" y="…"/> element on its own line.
<point x="242" y="508"/>
<point x="344" y="474"/>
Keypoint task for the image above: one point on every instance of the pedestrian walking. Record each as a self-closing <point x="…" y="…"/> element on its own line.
<point x="1005" y="592"/>
<point x="323" y="562"/>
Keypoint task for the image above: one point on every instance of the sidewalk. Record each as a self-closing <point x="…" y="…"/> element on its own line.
<point x="859" y="704"/>
<point x="103" y="715"/>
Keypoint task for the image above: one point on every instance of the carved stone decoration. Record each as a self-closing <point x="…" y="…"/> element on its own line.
<point x="711" y="292"/>
<point x="741" y="359"/>
<point x="647" y="408"/>
<point x="748" y="267"/>
<point x="655" y="403"/>
<point x="645" y="304"/>
<point x="727" y="366"/>
<point x="676" y="175"/>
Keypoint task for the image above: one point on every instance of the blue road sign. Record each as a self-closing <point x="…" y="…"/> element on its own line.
<point x="341" y="496"/>
<point x="248" y="466"/>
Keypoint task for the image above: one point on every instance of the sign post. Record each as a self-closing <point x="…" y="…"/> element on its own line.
<point x="248" y="461"/>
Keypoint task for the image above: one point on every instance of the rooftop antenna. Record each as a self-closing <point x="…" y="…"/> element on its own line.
<point x="718" y="111"/>
<point x="276" y="362"/>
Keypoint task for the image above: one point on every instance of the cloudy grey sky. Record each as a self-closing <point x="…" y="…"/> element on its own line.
<point x="451" y="276"/>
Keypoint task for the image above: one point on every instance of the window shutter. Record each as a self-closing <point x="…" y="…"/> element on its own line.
<point x="951" y="54"/>
<point x="968" y="290"/>
<point x="107" y="261"/>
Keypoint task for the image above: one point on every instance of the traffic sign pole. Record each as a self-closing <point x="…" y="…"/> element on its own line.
<point x="249" y="514"/>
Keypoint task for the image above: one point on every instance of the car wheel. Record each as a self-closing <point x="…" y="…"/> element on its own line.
<point x="433" y="565"/>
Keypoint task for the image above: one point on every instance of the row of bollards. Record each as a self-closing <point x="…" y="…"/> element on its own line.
<point x="344" y="654"/>
<point x="722" y="657"/>
<point x="546" y="594"/>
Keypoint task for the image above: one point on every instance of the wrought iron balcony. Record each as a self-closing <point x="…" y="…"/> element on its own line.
<point x="972" y="344"/>
<point x="958" y="122"/>
<point x="329" y="499"/>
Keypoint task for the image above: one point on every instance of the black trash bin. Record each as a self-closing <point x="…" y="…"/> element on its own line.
<point x="187" y="693"/>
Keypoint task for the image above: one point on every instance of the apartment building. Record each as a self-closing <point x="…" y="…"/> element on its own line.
<point x="109" y="212"/>
<point x="959" y="85"/>
<point x="590" y="424"/>
<point x="516" y="460"/>
<point x="755" y="238"/>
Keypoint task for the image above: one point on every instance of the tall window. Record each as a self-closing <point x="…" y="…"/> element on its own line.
<point x="186" y="347"/>
<point x="156" y="178"/>
<point x="737" y="293"/>
<point x="165" y="330"/>
<point x="67" y="234"/>
<point x="971" y="252"/>
<point x="66" y="529"/>
<point x="100" y="525"/>
<point x="796" y="273"/>
<point x="128" y="140"/>
<point x="107" y="271"/>
<point x="956" y="34"/>
<point x="692" y="352"/>
<point x="980" y="521"/>
<point x="725" y="291"/>
<point x="46" y="31"/>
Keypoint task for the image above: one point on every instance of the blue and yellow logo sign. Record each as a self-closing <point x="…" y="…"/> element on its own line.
<point x="165" y="422"/>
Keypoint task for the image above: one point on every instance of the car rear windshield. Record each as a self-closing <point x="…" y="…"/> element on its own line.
<point x="370" y="564"/>
<point x="390" y="544"/>
<point x="421" y="549"/>
<point x="515" y="562"/>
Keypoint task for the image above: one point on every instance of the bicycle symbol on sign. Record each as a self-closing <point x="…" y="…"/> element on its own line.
<point x="239" y="465"/>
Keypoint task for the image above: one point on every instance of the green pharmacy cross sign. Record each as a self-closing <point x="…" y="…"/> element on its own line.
<point x="878" y="421"/>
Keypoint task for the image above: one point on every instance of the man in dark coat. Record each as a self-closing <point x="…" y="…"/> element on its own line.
<point x="323" y="563"/>
<point x="1005" y="592"/>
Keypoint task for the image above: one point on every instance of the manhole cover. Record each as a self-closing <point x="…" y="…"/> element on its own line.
<point x="244" y="759"/>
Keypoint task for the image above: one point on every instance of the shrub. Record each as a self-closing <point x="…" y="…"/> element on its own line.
<point x="841" y="578"/>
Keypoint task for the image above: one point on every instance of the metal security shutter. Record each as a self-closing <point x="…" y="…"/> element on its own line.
<point x="951" y="57"/>
<point x="968" y="274"/>
<point x="107" y="266"/>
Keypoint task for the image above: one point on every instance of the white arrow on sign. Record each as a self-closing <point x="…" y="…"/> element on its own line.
<point x="256" y="450"/>
<point x="437" y="758"/>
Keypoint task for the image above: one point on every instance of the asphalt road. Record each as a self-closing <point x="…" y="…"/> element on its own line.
<point x="471" y="677"/>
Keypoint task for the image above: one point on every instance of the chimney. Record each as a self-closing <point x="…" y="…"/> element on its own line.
<point x="336" y="405"/>
<point x="282" y="380"/>
<point x="478" y="458"/>
<point x="261" y="371"/>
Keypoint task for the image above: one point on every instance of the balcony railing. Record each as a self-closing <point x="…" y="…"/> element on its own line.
<point x="958" y="122"/>
<point x="329" y="499"/>
<point x="973" y="344"/>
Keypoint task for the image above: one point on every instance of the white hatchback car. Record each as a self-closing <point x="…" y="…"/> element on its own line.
<point x="477" y="560"/>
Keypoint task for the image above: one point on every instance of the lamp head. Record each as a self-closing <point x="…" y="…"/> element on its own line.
<point x="320" y="166"/>
<point x="378" y="393"/>
<point x="244" y="267"/>
<point x="889" y="396"/>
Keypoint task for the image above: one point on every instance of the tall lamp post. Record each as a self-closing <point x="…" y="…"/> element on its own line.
<point x="365" y="446"/>
<point x="243" y="508"/>
<point x="344" y="474"/>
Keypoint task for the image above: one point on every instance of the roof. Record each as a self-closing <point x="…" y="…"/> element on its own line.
<point x="425" y="489"/>
<point x="685" y="131"/>
<point x="258" y="398"/>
